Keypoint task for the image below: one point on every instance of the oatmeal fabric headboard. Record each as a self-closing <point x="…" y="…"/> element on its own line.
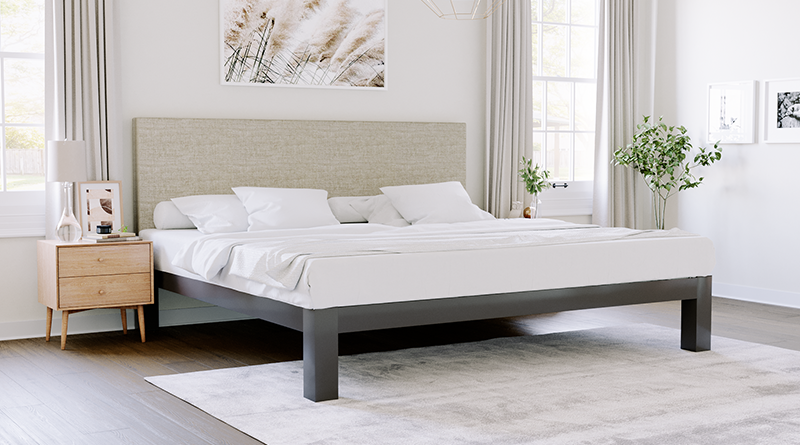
<point x="181" y="157"/>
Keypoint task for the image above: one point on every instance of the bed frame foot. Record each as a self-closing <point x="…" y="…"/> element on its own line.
<point x="696" y="318"/>
<point x="321" y="354"/>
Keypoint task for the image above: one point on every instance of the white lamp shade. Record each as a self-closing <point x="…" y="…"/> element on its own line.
<point x="66" y="161"/>
<point x="463" y="9"/>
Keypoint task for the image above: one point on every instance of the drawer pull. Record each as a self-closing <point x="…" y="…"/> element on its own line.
<point x="101" y="292"/>
<point x="99" y="260"/>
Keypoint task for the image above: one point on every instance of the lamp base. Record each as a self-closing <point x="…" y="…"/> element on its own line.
<point x="68" y="228"/>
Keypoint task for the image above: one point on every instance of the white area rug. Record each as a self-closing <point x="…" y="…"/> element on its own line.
<point x="618" y="385"/>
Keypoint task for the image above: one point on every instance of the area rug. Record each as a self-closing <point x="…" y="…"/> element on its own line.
<point x="618" y="385"/>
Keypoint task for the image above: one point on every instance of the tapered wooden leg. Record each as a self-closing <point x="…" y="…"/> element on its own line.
<point x="124" y="314"/>
<point x="49" y="324"/>
<point x="64" y="322"/>
<point x="140" y="312"/>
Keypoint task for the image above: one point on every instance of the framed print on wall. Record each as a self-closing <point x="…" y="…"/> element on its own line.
<point x="732" y="112"/>
<point x="782" y="104"/>
<point x="339" y="44"/>
<point x="101" y="203"/>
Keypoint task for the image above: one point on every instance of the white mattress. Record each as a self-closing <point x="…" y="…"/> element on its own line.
<point x="374" y="279"/>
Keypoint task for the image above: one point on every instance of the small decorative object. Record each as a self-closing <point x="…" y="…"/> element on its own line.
<point x="516" y="209"/>
<point x="101" y="205"/>
<point x="103" y="229"/>
<point x="782" y="104"/>
<point x="464" y="9"/>
<point x="66" y="163"/>
<point x="661" y="154"/>
<point x="731" y="112"/>
<point x="536" y="180"/>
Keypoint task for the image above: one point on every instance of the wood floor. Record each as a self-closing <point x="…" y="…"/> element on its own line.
<point x="94" y="392"/>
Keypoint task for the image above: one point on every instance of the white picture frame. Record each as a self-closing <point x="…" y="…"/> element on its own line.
<point x="782" y="111"/>
<point x="732" y="112"/>
<point x="100" y="203"/>
<point x="320" y="46"/>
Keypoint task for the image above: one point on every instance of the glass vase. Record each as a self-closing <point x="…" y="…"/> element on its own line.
<point x="68" y="228"/>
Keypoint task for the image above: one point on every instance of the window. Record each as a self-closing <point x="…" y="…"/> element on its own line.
<point x="22" y="116"/>
<point x="564" y="37"/>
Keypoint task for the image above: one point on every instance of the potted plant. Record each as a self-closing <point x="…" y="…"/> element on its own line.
<point x="661" y="154"/>
<point x="536" y="180"/>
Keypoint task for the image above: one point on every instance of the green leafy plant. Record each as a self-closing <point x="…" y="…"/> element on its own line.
<point x="662" y="155"/>
<point x="535" y="177"/>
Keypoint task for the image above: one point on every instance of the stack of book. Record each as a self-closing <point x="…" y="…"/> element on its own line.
<point x="110" y="237"/>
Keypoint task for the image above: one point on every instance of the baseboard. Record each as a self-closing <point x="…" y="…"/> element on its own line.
<point x="107" y="320"/>
<point x="757" y="294"/>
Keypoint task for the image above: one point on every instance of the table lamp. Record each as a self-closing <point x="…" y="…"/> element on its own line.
<point x="66" y="163"/>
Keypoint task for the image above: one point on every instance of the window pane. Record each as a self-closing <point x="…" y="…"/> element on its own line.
<point x="535" y="48"/>
<point x="554" y="50"/>
<point x="582" y="51"/>
<point x="585" y="100"/>
<point x="538" y="94"/>
<point x="558" y="148"/>
<point x="583" y="12"/>
<point x="535" y="10"/>
<point x="21" y="27"/>
<point x="538" y="145"/>
<point x="25" y="158"/>
<point x="584" y="156"/>
<point x="554" y="11"/>
<point x="24" y="91"/>
<point x="558" y="105"/>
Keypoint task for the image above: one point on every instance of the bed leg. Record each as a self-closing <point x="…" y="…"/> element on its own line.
<point x="696" y="318"/>
<point x="321" y="354"/>
<point x="151" y="310"/>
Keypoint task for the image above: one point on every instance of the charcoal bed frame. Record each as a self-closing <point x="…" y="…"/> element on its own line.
<point x="179" y="157"/>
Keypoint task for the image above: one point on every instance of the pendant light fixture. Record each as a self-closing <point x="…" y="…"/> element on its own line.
<point x="463" y="9"/>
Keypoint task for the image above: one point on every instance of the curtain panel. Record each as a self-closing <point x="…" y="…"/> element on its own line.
<point x="510" y="104"/>
<point x="80" y="62"/>
<point x="625" y="79"/>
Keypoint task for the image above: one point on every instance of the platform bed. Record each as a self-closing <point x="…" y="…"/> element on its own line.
<point x="179" y="157"/>
<point x="321" y="327"/>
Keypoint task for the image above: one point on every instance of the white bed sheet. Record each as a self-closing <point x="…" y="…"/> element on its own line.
<point x="374" y="279"/>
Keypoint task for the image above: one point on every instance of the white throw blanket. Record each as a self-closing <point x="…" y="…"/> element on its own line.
<point x="278" y="257"/>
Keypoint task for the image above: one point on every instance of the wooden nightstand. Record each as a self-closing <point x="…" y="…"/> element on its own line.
<point x="80" y="276"/>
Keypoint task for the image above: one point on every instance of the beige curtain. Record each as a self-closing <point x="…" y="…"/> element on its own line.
<point x="81" y="62"/>
<point x="509" y="99"/>
<point x="625" y="93"/>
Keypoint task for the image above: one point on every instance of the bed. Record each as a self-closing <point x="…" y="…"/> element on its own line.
<point x="181" y="157"/>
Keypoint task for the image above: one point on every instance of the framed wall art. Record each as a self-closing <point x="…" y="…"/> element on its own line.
<point x="782" y="106"/>
<point x="100" y="203"/>
<point x="732" y="112"/>
<point x="339" y="44"/>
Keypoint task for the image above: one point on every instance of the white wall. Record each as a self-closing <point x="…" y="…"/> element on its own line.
<point x="167" y="65"/>
<point x="748" y="202"/>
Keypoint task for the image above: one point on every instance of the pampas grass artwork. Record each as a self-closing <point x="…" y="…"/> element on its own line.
<point x="339" y="43"/>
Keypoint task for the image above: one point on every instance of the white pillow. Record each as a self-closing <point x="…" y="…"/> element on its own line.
<point x="340" y="206"/>
<point x="379" y="210"/>
<point x="445" y="202"/>
<point x="281" y="208"/>
<point x="167" y="216"/>
<point x="214" y="213"/>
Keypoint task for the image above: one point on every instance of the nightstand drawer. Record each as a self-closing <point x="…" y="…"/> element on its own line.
<point x="110" y="291"/>
<point x="103" y="260"/>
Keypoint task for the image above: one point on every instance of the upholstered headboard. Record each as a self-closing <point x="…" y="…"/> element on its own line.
<point x="180" y="157"/>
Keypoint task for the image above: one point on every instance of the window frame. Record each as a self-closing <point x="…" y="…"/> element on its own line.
<point x="575" y="199"/>
<point x="22" y="212"/>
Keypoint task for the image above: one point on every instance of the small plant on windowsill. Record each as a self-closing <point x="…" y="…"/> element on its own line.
<point x="661" y="154"/>
<point x="536" y="180"/>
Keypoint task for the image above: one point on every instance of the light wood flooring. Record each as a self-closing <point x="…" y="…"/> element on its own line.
<point x="94" y="392"/>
